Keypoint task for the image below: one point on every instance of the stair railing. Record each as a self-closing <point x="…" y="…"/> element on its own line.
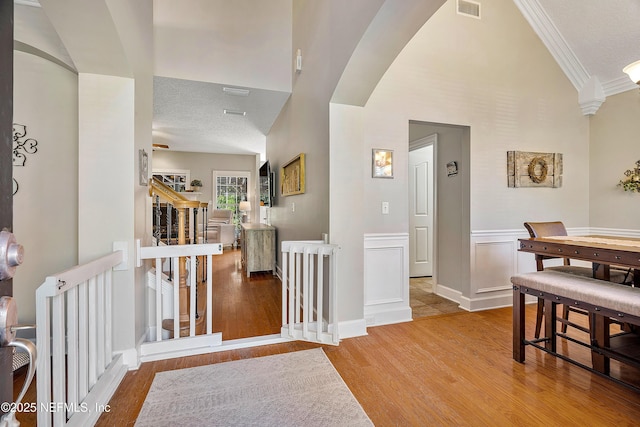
<point x="164" y="193"/>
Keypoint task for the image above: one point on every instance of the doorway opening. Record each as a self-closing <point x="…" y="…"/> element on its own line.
<point x="438" y="187"/>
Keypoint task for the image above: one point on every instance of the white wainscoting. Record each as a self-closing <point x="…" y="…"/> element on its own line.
<point x="386" y="278"/>
<point x="495" y="258"/>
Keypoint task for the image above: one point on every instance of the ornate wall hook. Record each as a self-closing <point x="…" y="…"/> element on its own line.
<point x="22" y="145"/>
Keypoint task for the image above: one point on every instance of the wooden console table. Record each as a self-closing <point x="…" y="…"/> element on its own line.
<point x="258" y="248"/>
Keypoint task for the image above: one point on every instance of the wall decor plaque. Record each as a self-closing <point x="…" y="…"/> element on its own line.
<point x="530" y="169"/>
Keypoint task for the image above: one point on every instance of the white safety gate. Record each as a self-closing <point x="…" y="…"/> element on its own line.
<point x="309" y="292"/>
<point x="77" y="371"/>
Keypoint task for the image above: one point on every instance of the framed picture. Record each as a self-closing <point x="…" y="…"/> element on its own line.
<point x="382" y="163"/>
<point x="144" y="167"/>
<point x="292" y="176"/>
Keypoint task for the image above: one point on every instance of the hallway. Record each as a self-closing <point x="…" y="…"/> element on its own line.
<point x="244" y="307"/>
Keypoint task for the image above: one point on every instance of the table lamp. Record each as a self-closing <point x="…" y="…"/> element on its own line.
<point x="244" y="208"/>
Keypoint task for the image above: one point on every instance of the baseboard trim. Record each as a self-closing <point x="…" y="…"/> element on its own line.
<point x="387" y="317"/>
<point x="478" y="304"/>
<point x="187" y="346"/>
<point x="352" y="328"/>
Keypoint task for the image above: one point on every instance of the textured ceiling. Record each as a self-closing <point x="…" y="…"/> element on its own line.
<point x="603" y="34"/>
<point x="189" y="116"/>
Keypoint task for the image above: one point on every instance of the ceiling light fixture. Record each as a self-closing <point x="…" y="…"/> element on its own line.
<point x="235" y="112"/>
<point x="235" y="91"/>
<point x="163" y="146"/>
<point x="633" y="70"/>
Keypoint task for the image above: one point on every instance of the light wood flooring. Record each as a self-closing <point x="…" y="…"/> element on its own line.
<point x="442" y="370"/>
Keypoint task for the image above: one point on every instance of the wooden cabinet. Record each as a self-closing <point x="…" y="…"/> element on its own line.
<point x="258" y="248"/>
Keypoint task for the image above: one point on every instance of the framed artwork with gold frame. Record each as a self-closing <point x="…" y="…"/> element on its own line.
<point x="292" y="176"/>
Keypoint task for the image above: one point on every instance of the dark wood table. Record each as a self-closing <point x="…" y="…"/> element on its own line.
<point x="599" y="250"/>
<point x="603" y="250"/>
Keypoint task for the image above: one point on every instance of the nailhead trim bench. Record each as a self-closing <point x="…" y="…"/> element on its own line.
<point x="603" y="300"/>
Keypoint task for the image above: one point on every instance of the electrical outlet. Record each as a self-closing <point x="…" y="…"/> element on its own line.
<point x="385" y="208"/>
<point x="293" y="207"/>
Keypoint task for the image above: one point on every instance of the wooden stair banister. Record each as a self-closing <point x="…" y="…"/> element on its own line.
<point x="181" y="203"/>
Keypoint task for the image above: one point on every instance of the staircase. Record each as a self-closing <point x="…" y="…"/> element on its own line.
<point x="164" y="194"/>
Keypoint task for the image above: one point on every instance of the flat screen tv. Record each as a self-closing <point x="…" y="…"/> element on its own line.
<point x="267" y="190"/>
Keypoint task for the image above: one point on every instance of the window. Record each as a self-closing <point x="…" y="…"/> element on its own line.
<point x="230" y="188"/>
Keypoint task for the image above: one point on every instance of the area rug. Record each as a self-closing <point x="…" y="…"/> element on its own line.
<point x="291" y="389"/>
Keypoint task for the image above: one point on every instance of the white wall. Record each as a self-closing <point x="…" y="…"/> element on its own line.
<point x="477" y="73"/>
<point x="105" y="191"/>
<point x="346" y="179"/>
<point x="244" y="42"/>
<point x="327" y="32"/>
<point x="46" y="204"/>
<point x="614" y="149"/>
<point x="456" y="71"/>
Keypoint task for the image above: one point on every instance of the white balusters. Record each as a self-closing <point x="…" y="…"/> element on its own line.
<point x="305" y="289"/>
<point x="74" y="331"/>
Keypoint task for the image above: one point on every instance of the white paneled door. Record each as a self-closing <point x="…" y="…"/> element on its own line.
<point x="421" y="211"/>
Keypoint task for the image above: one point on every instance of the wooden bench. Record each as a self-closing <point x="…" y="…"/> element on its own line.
<point x="601" y="299"/>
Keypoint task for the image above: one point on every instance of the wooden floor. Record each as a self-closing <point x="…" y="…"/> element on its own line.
<point x="244" y="307"/>
<point x="453" y="369"/>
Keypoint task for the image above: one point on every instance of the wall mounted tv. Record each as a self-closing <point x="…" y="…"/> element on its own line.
<point x="267" y="187"/>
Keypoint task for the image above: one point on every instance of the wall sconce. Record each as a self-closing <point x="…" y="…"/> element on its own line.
<point x="632" y="182"/>
<point x="244" y="208"/>
<point x="633" y="70"/>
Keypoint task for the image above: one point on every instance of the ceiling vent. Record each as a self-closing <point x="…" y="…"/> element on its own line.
<point x="236" y="91"/>
<point x="469" y="8"/>
<point x="235" y="112"/>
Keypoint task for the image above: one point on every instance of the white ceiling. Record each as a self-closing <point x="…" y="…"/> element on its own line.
<point x="592" y="41"/>
<point x="189" y="116"/>
<point x="603" y="35"/>
<point x="204" y="45"/>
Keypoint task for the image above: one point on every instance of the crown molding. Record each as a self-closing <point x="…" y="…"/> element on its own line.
<point x="553" y="40"/>
<point x="591" y="96"/>
<point x="619" y="85"/>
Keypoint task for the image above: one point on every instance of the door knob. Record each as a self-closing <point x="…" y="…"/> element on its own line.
<point x="8" y="327"/>
<point x="11" y="255"/>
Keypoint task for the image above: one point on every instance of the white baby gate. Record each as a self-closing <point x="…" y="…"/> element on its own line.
<point x="158" y="347"/>
<point x="309" y="291"/>
<point x="77" y="372"/>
